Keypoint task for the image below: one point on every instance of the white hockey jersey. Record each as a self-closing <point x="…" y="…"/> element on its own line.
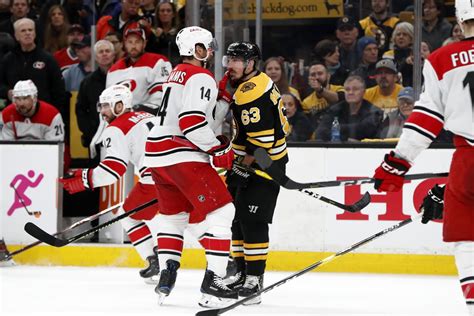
<point x="144" y="78"/>
<point x="45" y="124"/>
<point x="187" y="118"/>
<point x="447" y="100"/>
<point x="124" y="142"/>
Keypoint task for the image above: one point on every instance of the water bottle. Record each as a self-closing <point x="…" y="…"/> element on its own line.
<point x="335" y="130"/>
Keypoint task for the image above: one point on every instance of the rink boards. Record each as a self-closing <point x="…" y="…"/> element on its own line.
<point x="306" y="230"/>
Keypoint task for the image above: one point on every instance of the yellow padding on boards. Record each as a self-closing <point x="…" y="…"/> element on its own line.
<point x="126" y="256"/>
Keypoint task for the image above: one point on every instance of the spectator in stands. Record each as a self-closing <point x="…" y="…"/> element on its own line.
<point x="358" y="118"/>
<point x="145" y="72"/>
<point x="90" y="90"/>
<point x="327" y="51"/>
<point x="384" y="94"/>
<point x="324" y="94"/>
<point x="392" y="125"/>
<point x="5" y="13"/>
<point x="117" y="40"/>
<point x="19" y="9"/>
<point x="300" y="126"/>
<point x="66" y="57"/>
<point x="456" y="34"/>
<point x="369" y="51"/>
<point x="118" y="21"/>
<point x="406" y="68"/>
<point x="435" y="28"/>
<point x="76" y="73"/>
<point x="166" y="28"/>
<point x="402" y="41"/>
<point x="379" y="24"/>
<point x="274" y="67"/>
<point x="28" y="118"/>
<point x="56" y="30"/>
<point x="148" y="10"/>
<point x="347" y="33"/>
<point x="108" y="7"/>
<point x="28" y="61"/>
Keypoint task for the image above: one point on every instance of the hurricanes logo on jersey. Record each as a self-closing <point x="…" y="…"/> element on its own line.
<point x="129" y="83"/>
<point x="248" y="86"/>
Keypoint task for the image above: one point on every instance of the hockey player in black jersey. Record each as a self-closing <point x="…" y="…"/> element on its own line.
<point x="260" y="121"/>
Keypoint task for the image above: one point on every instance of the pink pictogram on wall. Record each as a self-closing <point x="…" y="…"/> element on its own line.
<point x="23" y="184"/>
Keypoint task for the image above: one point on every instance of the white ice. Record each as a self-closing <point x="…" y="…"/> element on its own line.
<point x="65" y="291"/>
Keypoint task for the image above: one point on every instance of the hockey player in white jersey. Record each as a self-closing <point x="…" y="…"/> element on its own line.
<point x="144" y="73"/>
<point x="179" y="150"/>
<point x="124" y="141"/>
<point x="447" y="101"/>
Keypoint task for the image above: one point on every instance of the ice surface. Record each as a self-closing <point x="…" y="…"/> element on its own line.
<point x="65" y="291"/>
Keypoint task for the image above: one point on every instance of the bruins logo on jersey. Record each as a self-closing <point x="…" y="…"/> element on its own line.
<point x="248" y="86"/>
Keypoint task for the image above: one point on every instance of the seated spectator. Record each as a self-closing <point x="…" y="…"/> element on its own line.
<point x="402" y="41"/>
<point x="384" y="94"/>
<point x="327" y="51"/>
<point x="166" y="27"/>
<point x="74" y="75"/>
<point x="117" y="22"/>
<point x="19" y="9"/>
<point x="406" y="68"/>
<point x="300" y="126"/>
<point x="435" y="29"/>
<point x="116" y="39"/>
<point x="148" y="8"/>
<point x="66" y="57"/>
<point x="347" y="33"/>
<point x="456" y="34"/>
<point x="28" y="118"/>
<point x="358" y="119"/>
<point x="274" y="67"/>
<point x="392" y="125"/>
<point x="56" y="30"/>
<point x="369" y="51"/>
<point x="324" y="94"/>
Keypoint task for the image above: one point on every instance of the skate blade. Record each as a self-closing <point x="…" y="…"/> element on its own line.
<point x="161" y="298"/>
<point x="211" y="301"/>
<point x="8" y="263"/>
<point x="152" y="280"/>
<point x="253" y="301"/>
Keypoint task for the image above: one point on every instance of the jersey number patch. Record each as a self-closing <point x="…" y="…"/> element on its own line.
<point x="250" y="116"/>
<point x="164" y="104"/>
<point x="469" y="80"/>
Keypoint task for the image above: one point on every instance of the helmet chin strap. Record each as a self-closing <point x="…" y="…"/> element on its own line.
<point x="204" y="60"/>
<point x="113" y="110"/>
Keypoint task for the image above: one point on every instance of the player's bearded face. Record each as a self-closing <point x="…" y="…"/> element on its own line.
<point x="134" y="46"/>
<point x="24" y="105"/>
<point x="106" y="112"/>
<point x="236" y="68"/>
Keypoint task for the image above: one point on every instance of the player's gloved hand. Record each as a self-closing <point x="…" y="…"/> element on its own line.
<point x="222" y="155"/>
<point x="78" y="181"/>
<point x="390" y="174"/>
<point x="238" y="177"/>
<point x="223" y="94"/>
<point x="433" y="204"/>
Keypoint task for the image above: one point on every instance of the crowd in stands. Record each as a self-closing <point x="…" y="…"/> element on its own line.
<point x="359" y="79"/>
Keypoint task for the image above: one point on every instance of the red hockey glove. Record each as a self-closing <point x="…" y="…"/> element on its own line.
<point x="390" y="174"/>
<point x="433" y="204"/>
<point x="222" y="155"/>
<point x="79" y="181"/>
<point x="223" y="94"/>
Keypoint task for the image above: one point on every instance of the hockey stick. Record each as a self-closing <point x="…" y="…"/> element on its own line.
<point x="36" y="214"/>
<point x="353" y="208"/>
<point x="266" y="163"/>
<point x="76" y="224"/>
<point x="219" y="311"/>
<point x="43" y="236"/>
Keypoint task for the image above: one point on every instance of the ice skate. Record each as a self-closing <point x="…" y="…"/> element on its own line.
<point x="236" y="281"/>
<point x="253" y="284"/>
<point x="151" y="272"/>
<point x="167" y="280"/>
<point x="215" y="293"/>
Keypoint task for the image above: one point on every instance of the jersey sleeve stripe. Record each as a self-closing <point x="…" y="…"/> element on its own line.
<point x="268" y="132"/>
<point x="193" y="128"/>
<point x="419" y="131"/>
<point x="123" y="162"/>
<point x="428" y="111"/>
<point x="191" y="121"/>
<point x="109" y="170"/>
<point x="156" y="89"/>
<point x="426" y="122"/>
<point x="259" y="143"/>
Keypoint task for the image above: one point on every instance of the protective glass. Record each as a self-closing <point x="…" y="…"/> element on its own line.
<point x="227" y="59"/>
<point x="103" y="106"/>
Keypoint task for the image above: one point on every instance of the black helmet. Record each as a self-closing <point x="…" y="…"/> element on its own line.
<point x="245" y="50"/>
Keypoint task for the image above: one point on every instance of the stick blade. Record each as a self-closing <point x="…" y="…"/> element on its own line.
<point x="209" y="312"/>
<point x="43" y="236"/>
<point x="359" y="205"/>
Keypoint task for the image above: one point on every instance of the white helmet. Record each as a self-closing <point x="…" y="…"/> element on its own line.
<point x="25" y="88"/>
<point x="188" y="37"/>
<point x="464" y="10"/>
<point x="114" y="94"/>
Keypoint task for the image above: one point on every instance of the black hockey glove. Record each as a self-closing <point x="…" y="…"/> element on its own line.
<point x="433" y="204"/>
<point x="238" y="177"/>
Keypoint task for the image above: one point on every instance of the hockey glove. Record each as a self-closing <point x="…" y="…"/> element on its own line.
<point x="222" y="155"/>
<point x="433" y="204"/>
<point x="238" y="177"/>
<point x="223" y="94"/>
<point x="390" y="174"/>
<point x="80" y="180"/>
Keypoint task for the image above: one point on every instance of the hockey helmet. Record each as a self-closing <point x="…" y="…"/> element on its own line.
<point x="114" y="94"/>
<point x="25" y="88"/>
<point x="189" y="37"/>
<point x="244" y="50"/>
<point x="464" y="10"/>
